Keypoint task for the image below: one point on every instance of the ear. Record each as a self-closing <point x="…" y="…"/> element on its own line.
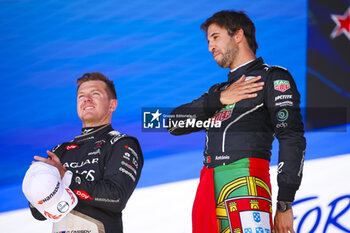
<point x="113" y="104"/>
<point x="239" y="35"/>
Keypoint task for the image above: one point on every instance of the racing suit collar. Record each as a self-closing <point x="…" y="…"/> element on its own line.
<point x="236" y="74"/>
<point x="88" y="130"/>
<point x="89" y="133"/>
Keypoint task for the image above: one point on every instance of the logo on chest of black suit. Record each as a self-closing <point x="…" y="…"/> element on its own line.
<point x="80" y="164"/>
<point x="96" y="152"/>
<point x="70" y="147"/>
<point x="224" y="113"/>
<point x="99" y="143"/>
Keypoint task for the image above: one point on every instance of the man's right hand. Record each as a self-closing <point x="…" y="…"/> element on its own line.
<point x="54" y="161"/>
<point x="240" y="90"/>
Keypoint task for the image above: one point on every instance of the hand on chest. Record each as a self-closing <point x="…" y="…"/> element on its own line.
<point x="86" y="159"/>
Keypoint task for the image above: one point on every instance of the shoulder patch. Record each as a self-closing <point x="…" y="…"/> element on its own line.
<point x="117" y="137"/>
<point x="281" y="85"/>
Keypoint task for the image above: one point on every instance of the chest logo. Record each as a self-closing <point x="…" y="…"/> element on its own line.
<point x="96" y="152"/>
<point x="83" y="195"/>
<point x="70" y="147"/>
<point x="223" y="114"/>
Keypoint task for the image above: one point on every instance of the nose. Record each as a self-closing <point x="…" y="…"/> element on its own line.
<point x="87" y="98"/>
<point x="210" y="46"/>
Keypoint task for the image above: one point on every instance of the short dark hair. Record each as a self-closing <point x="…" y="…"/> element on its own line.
<point x="233" y="21"/>
<point x="97" y="76"/>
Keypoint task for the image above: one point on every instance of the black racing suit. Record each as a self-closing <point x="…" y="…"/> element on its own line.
<point x="106" y="167"/>
<point x="248" y="127"/>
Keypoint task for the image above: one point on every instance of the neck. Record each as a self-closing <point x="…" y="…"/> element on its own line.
<point x="87" y="124"/>
<point x="243" y="56"/>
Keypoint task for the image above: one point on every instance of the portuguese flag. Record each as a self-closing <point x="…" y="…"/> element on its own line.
<point x="234" y="197"/>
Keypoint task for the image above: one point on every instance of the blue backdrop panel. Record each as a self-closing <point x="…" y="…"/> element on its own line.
<point x="156" y="55"/>
<point x="328" y="63"/>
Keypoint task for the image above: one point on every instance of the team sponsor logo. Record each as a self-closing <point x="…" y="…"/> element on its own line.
<point x="80" y="164"/>
<point x="52" y="216"/>
<point x="77" y="180"/>
<point x="283" y="97"/>
<point x="107" y="200"/>
<point x="132" y="152"/>
<point x="70" y="147"/>
<point x="249" y="214"/>
<point x="129" y="166"/>
<point x="116" y="138"/>
<point x="136" y="164"/>
<point x="96" y="152"/>
<point x="62" y="206"/>
<point x="281" y="85"/>
<point x="127" y="173"/>
<point x="126" y="156"/>
<point x="51" y="195"/>
<point x="282" y="115"/>
<point x="284" y="103"/>
<point x="223" y="114"/>
<point x="82" y="194"/>
<point x="99" y="143"/>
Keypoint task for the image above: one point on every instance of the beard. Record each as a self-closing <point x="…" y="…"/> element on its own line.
<point x="228" y="56"/>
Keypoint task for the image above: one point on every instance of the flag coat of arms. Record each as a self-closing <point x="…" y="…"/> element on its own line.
<point x="250" y="214"/>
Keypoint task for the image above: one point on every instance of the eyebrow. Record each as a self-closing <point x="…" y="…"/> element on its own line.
<point x="214" y="33"/>
<point x="211" y="35"/>
<point x="80" y="92"/>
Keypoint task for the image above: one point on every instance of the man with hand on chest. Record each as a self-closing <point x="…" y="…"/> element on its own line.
<point x="101" y="166"/>
<point x="256" y="103"/>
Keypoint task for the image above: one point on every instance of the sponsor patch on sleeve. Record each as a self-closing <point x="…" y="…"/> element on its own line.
<point x="282" y="115"/>
<point x="281" y="85"/>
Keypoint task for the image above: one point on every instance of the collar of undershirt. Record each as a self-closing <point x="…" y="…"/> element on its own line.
<point x="87" y="130"/>
<point x="243" y="69"/>
<point x="242" y="65"/>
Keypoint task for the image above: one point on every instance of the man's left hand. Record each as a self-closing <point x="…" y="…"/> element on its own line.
<point x="54" y="161"/>
<point x="284" y="221"/>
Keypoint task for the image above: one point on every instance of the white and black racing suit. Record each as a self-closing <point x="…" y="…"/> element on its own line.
<point x="106" y="167"/>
